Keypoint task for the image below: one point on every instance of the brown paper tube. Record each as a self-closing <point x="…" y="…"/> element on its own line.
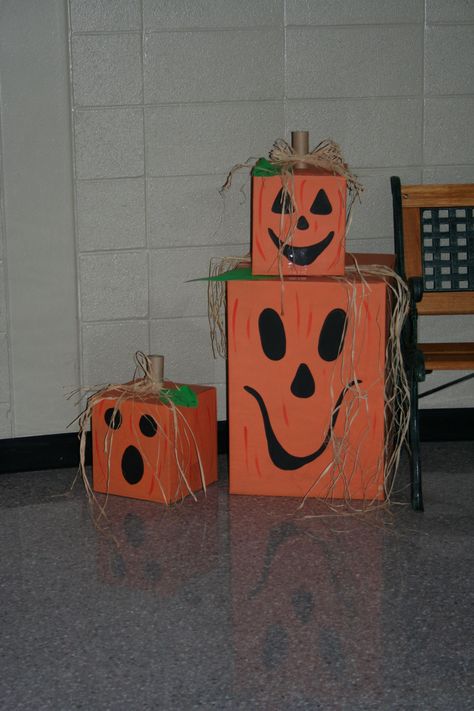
<point x="157" y="364"/>
<point x="300" y="144"/>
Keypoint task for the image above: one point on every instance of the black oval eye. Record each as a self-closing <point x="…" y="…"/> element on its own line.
<point x="272" y="334"/>
<point x="321" y="204"/>
<point x="282" y="205"/>
<point x="331" y="338"/>
<point x="113" y="420"/>
<point x="148" y="426"/>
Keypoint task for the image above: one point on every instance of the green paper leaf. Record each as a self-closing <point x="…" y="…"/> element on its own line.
<point x="182" y="396"/>
<point x="241" y="274"/>
<point x="264" y="169"/>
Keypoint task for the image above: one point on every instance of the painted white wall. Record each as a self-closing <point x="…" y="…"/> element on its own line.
<point x="166" y="96"/>
<point x="41" y="351"/>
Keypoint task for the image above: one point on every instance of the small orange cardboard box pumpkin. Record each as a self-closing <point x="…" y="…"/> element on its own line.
<point x="306" y="386"/>
<point x="315" y="215"/>
<point x="137" y="445"/>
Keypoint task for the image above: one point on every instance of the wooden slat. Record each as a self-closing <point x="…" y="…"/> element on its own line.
<point x="412" y="241"/>
<point x="461" y="195"/>
<point x="464" y="348"/>
<point x="448" y="356"/>
<point x="446" y="303"/>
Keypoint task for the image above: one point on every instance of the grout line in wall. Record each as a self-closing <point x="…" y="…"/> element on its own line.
<point x="145" y="184"/>
<point x="152" y="248"/>
<point x="101" y="33"/>
<point x="352" y="26"/>
<point x="270" y="26"/>
<point x="80" y="361"/>
<point x="6" y="291"/>
<point x="448" y="97"/>
<point x="141" y="319"/>
<point x="176" y="30"/>
<point x="423" y="87"/>
<point x="440" y="23"/>
<point x="218" y="102"/>
<point x="155" y="176"/>
<point x="285" y="70"/>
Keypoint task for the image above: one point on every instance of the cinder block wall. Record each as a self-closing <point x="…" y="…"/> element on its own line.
<point x="165" y="96"/>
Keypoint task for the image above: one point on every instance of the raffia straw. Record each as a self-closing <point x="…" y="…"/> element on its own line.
<point x="182" y="441"/>
<point x="216" y="300"/>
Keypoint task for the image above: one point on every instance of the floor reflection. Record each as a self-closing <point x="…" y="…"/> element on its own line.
<point x="147" y="546"/>
<point x="306" y="604"/>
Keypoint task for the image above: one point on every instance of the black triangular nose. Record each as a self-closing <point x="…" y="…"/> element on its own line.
<point x="303" y="382"/>
<point x="302" y="223"/>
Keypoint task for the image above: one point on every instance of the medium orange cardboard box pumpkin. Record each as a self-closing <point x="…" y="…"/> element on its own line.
<point x="306" y="386"/>
<point x="313" y="212"/>
<point x="144" y="449"/>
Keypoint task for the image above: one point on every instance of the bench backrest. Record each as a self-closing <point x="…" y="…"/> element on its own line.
<point x="434" y="240"/>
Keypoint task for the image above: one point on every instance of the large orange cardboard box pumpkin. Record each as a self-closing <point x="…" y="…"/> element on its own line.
<point x="306" y="366"/>
<point x="315" y="217"/>
<point x="138" y="448"/>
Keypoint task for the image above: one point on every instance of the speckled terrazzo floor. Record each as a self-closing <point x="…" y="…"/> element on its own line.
<point x="237" y="603"/>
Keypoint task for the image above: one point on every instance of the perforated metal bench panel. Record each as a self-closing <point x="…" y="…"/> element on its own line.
<point x="447" y="239"/>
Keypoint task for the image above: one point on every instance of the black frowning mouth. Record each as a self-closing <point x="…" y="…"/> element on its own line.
<point x="279" y="456"/>
<point x="301" y="256"/>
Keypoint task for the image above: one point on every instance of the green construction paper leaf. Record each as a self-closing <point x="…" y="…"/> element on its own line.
<point x="240" y="274"/>
<point x="182" y="396"/>
<point x="264" y="169"/>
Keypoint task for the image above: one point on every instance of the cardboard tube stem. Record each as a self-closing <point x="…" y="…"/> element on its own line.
<point x="300" y="144"/>
<point x="157" y="363"/>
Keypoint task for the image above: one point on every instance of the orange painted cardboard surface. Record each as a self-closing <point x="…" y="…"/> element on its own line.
<point x="294" y="378"/>
<point x="133" y="454"/>
<point x="159" y="549"/>
<point x="319" y="219"/>
<point x="306" y="612"/>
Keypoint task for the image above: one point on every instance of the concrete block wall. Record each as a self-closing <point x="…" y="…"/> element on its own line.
<point x="165" y="96"/>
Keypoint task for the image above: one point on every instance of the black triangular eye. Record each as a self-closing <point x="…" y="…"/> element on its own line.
<point x="321" y="204"/>
<point x="282" y="205"/>
<point x="331" y="338"/>
<point x="272" y="334"/>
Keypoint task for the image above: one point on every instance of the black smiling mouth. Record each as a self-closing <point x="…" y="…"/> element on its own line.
<point x="279" y="456"/>
<point x="301" y="256"/>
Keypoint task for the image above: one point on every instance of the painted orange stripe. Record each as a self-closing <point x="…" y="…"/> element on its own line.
<point x="259" y="248"/>
<point x="233" y="322"/>
<point x="246" y="447"/>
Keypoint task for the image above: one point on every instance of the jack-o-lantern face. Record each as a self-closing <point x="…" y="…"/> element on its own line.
<point x="304" y="382"/>
<point x="314" y="215"/>
<point x="302" y="385"/>
<point x="134" y="446"/>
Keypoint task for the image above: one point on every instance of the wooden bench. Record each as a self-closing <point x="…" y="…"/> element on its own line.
<point x="434" y="245"/>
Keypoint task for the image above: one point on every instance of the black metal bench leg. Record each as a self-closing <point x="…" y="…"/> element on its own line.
<point x="415" y="459"/>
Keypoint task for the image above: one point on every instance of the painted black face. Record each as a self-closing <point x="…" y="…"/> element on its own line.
<point x="132" y="461"/>
<point x="302" y="256"/>
<point x="273" y="342"/>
